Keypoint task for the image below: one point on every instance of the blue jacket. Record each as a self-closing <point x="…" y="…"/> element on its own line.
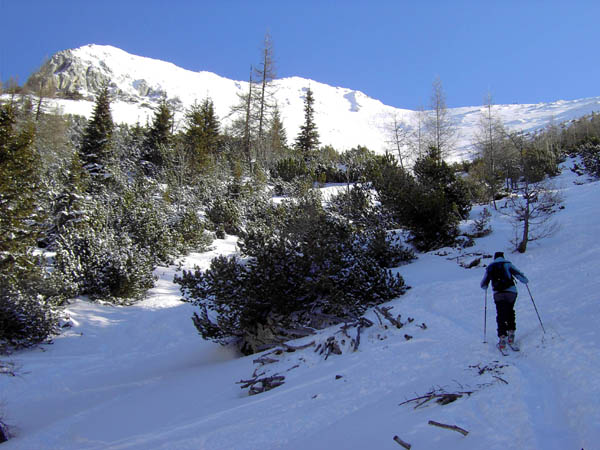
<point x="512" y="272"/>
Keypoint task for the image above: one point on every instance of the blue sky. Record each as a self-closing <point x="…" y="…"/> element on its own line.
<point x="525" y="51"/>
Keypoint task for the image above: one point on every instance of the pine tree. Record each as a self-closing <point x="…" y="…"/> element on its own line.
<point x="159" y="136"/>
<point x="19" y="185"/>
<point x="308" y="138"/>
<point x="202" y="134"/>
<point x="69" y="208"/>
<point x="24" y="319"/>
<point x="96" y="147"/>
<point x="276" y="136"/>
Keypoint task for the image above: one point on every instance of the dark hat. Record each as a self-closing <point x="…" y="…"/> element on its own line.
<point x="498" y="255"/>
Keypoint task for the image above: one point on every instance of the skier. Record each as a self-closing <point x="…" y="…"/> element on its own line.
<point x="501" y="272"/>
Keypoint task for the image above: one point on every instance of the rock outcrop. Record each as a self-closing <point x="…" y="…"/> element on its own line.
<point x="69" y="76"/>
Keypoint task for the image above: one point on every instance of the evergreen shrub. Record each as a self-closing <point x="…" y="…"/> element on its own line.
<point x="102" y="264"/>
<point x="430" y="204"/>
<point x="27" y="314"/>
<point x="224" y="214"/>
<point x="302" y="263"/>
<point x="590" y="156"/>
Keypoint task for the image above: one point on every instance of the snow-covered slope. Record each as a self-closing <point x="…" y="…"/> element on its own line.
<point x="345" y="118"/>
<point x="141" y="378"/>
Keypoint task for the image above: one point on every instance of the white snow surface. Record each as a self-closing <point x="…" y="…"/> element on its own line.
<point x="345" y="118"/>
<point x="140" y="377"/>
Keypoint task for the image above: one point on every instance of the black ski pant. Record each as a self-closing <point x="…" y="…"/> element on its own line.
<point x="505" y="312"/>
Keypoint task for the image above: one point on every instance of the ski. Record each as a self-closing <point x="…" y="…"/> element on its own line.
<point x="502" y="350"/>
<point x="514" y="347"/>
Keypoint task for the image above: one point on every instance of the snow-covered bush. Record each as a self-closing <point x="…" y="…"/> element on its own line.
<point x="303" y="265"/>
<point x="481" y="224"/>
<point x="103" y="264"/>
<point x="146" y="221"/>
<point x="357" y="205"/>
<point x="24" y="321"/>
<point x="430" y="204"/>
<point x="590" y="156"/>
<point x="224" y="215"/>
<point x="27" y="316"/>
<point x="290" y="168"/>
<point x="190" y="232"/>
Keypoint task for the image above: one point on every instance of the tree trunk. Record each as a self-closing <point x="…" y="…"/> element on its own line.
<point x="526" y="216"/>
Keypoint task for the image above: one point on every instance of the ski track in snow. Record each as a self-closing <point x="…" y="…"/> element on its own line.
<point x="141" y="378"/>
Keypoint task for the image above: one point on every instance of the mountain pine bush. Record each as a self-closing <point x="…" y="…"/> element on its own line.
<point x="430" y="204"/>
<point x="25" y="319"/>
<point x="590" y="156"/>
<point x="302" y="264"/>
<point x="103" y="264"/>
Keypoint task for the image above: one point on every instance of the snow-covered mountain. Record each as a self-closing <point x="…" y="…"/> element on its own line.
<point x="345" y="117"/>
<point x="140" y="377"/>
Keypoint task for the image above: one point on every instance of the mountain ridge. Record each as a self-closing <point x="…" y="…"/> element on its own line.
<point x="345" y="117"/>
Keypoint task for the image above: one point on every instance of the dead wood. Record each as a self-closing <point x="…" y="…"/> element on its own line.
<point x="500" y="379"/>
<point x="264" y="360"/>
<point x="378" y="317"/>
<point x="442" y="398"/>
<point x="8" y="368"/>
<point x="385" y="312"/>
<point x="258" y="385"/>
<point x="406" y="445"/>
<point x="331" y="346"/>
<point x="356" y="342"/>
<point x="292" y="348"/>
<point x="449" y="427"/>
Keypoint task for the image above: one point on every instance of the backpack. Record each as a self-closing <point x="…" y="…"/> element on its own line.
<point x="500" y="276"/>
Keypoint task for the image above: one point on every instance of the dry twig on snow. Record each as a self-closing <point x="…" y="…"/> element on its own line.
<point x="449" y="427"/>
<point x="406" y="445"/>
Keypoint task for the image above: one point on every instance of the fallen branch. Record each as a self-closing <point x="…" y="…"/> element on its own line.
<point x="8" y="369"/>
<point x="331" y="346"/>
<point x="378" y="317"/>
<point x="442" y="398"/>
<point x="406" y="445"/>
<point x="500" y="379"/>
<point x="449" y="427"/>
<point x="258" y="385"/>
<point x="385" y="312"/>
<point x="265" y="360"/>
<point x="356" y="342"/>
<point x="292" y="348"/>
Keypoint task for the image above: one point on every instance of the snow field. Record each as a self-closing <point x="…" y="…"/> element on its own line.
<point x="140" y="377"/>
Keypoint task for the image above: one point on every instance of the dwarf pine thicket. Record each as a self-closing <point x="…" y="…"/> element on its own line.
<point x="90" y="207"/>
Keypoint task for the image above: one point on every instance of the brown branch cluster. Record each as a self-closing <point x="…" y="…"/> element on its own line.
<point x="395" y="321"/>
<point x="285" y="348"/>
<point x="439" y="395"/>
<point x="258" y="384"/>
<point x="8" y="368"/>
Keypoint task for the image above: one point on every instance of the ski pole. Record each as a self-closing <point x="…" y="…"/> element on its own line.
<point x="536" y="310"/>
<point x="485" y="320"/>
